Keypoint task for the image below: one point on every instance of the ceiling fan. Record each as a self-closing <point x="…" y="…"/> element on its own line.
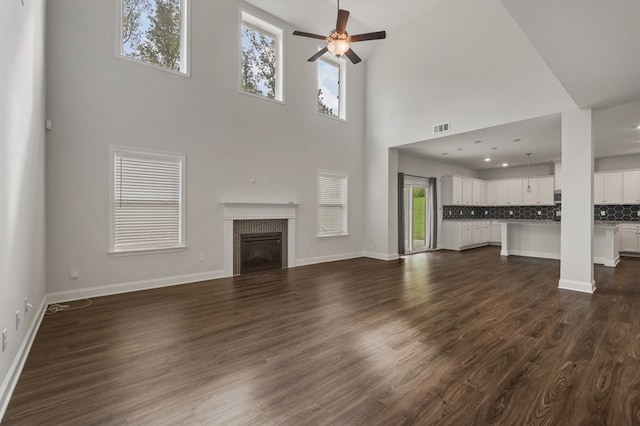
<point x="339" y="40"/>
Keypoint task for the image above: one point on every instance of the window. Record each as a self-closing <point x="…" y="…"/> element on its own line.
<point x="147" y="200"/>
<point x="332" y="201"/>
<point x="261" y="68"/>
<point x="331" y="87"/>
<point x="154" y="32"/>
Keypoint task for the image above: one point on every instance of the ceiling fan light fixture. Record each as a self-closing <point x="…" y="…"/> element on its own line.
<point x="338" y="47"/>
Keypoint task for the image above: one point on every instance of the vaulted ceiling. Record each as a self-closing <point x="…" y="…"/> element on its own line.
<point x="591" y="46"/>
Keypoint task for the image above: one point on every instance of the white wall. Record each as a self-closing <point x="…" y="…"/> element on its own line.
<point x="96" y="99"/>
<point x="617" y="163"/>
<point x="429" y="168"/>
<point x="476" y="69"/>
<point x="22" y="233"/>
<point x="517" y="172"/>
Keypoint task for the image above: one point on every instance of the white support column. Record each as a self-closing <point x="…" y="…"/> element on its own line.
<point x="576" y="252"/>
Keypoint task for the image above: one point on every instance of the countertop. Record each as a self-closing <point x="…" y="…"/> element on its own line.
<point x="555" y="222"/>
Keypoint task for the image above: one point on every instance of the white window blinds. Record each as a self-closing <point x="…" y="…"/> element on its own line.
<point x="147" y="201"/>
<point x="332" y="215"/>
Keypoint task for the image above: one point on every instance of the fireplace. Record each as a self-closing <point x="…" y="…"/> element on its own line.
<point x="258" y="218"/>
<point x="260" y="252"/>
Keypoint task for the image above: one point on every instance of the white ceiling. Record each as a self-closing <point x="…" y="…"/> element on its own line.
<point x="615" y="133"/>
<point x="591" y="46"/>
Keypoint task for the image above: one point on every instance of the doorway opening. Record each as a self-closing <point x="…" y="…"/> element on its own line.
<point x="417" y="216"/>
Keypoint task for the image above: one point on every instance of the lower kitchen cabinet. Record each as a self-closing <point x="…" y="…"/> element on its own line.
<point x="460" y="235"/>
<point x="631" y="238"/>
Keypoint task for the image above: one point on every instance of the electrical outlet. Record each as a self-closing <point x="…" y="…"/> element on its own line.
<point x="539" y="212"/>
<point x="74" y="273"/>
<point x="17" y="319"/>
<point x="473" y="213"/>
<point x="510" y="212"/>
<point x="201" y="257"/>
<point x="4" y="340"/>
<point x="603" y="213"/>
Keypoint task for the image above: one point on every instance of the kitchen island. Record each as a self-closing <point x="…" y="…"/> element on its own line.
<point x="541" y="238"/>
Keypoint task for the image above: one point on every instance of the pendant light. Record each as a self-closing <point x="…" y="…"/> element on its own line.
<point x="528" y="154"/>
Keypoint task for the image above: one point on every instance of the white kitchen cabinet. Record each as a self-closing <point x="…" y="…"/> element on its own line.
<point x="631" y="238"/>
<point x="460" y="235"/>
<point x="502" y="196"/>
<point x="492" y="192"/>
<point x="631" y="187"/>
<point x="541" y="191"/>
<point x="515" y="192"/>
<point x="496" y="232"/>
<point x="509" y="192"/>
<point x="546" y="187"/>
<point x="607" y="188"/>
<point x="477" y="233"/>
<point x="486" y="231"/>
<point x="479" y="191"/>
<point x="530" y="192"/>
<point x="467" y="191"/>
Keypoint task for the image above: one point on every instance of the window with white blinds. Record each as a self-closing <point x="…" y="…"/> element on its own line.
<point x="332" y="210"/>
<point x="147" y="200"/>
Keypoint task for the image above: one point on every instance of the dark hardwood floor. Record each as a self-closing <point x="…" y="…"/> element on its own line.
<point x="437" y="338"/>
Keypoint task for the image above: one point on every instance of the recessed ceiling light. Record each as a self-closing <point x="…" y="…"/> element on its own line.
<point x="516" y="140"/>
<point x="487" y="159"/>
<point x="505" y="164"/>
<point x="445" y="153"/>
<point x="477" y="142"/>
<point x="494" y="148"/>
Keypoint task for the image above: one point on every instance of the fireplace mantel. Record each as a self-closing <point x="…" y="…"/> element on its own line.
<point x="256" y="211"/>
<point x="249" y="211"/>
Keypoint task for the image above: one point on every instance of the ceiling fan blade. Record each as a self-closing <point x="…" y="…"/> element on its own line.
<point x="343" y="17"/>
<point x="352" y="56"/>
<point x="317" y="55"/>
<point x="368" y="36"/>
<point x="303" y="34"/>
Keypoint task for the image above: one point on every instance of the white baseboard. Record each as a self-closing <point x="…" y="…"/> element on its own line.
<point x="381" y="256"/>
<point x="11" y="379"/>
<point x="539" y="254"/>
<point x="607" y="262"/>
<point x="331" y="258"/>
<point x="583" y="287"/>
<point x="108" y="290"/>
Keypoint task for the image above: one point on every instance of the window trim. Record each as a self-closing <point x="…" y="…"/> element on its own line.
<point x="263" y="22"/>
<point x="181" y="246"/>
<point x="342" y="86"/>
<point x="340" y="175"/>
<point x="185" y="40"/>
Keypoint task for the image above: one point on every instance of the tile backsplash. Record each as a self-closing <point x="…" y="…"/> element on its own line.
<point x="501" y="212"/>
<point x="612" y="213"/>
<point x="616" y="213"/>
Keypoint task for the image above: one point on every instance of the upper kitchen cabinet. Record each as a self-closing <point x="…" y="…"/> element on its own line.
<point x="479" y="193"/>
<point x="631" y="186"/>
<point x="457" y="191"/>
<point x="509" y="192"/>
<point x="607" y="188"/>
<point x="541" y="193"/>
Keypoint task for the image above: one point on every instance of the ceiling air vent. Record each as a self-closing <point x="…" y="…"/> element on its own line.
<point x="440" y="128"/>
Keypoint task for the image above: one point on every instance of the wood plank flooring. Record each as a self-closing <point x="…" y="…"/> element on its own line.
<point x="447" y="338"/>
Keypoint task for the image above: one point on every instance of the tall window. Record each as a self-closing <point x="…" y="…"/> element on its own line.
<point x="154" y="32"/>
<point x="261" y="70"/>
<point x="332" y="203"/>
<point x="147" y="200"/>
<point x="331" y="87"/>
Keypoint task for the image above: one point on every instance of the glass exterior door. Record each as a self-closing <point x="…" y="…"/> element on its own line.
<point x="415" y="220"/>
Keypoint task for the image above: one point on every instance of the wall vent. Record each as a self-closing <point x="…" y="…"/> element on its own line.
<point x="441" y="128"/>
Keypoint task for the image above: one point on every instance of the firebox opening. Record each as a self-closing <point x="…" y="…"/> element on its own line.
<point x="260" y="252"/>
